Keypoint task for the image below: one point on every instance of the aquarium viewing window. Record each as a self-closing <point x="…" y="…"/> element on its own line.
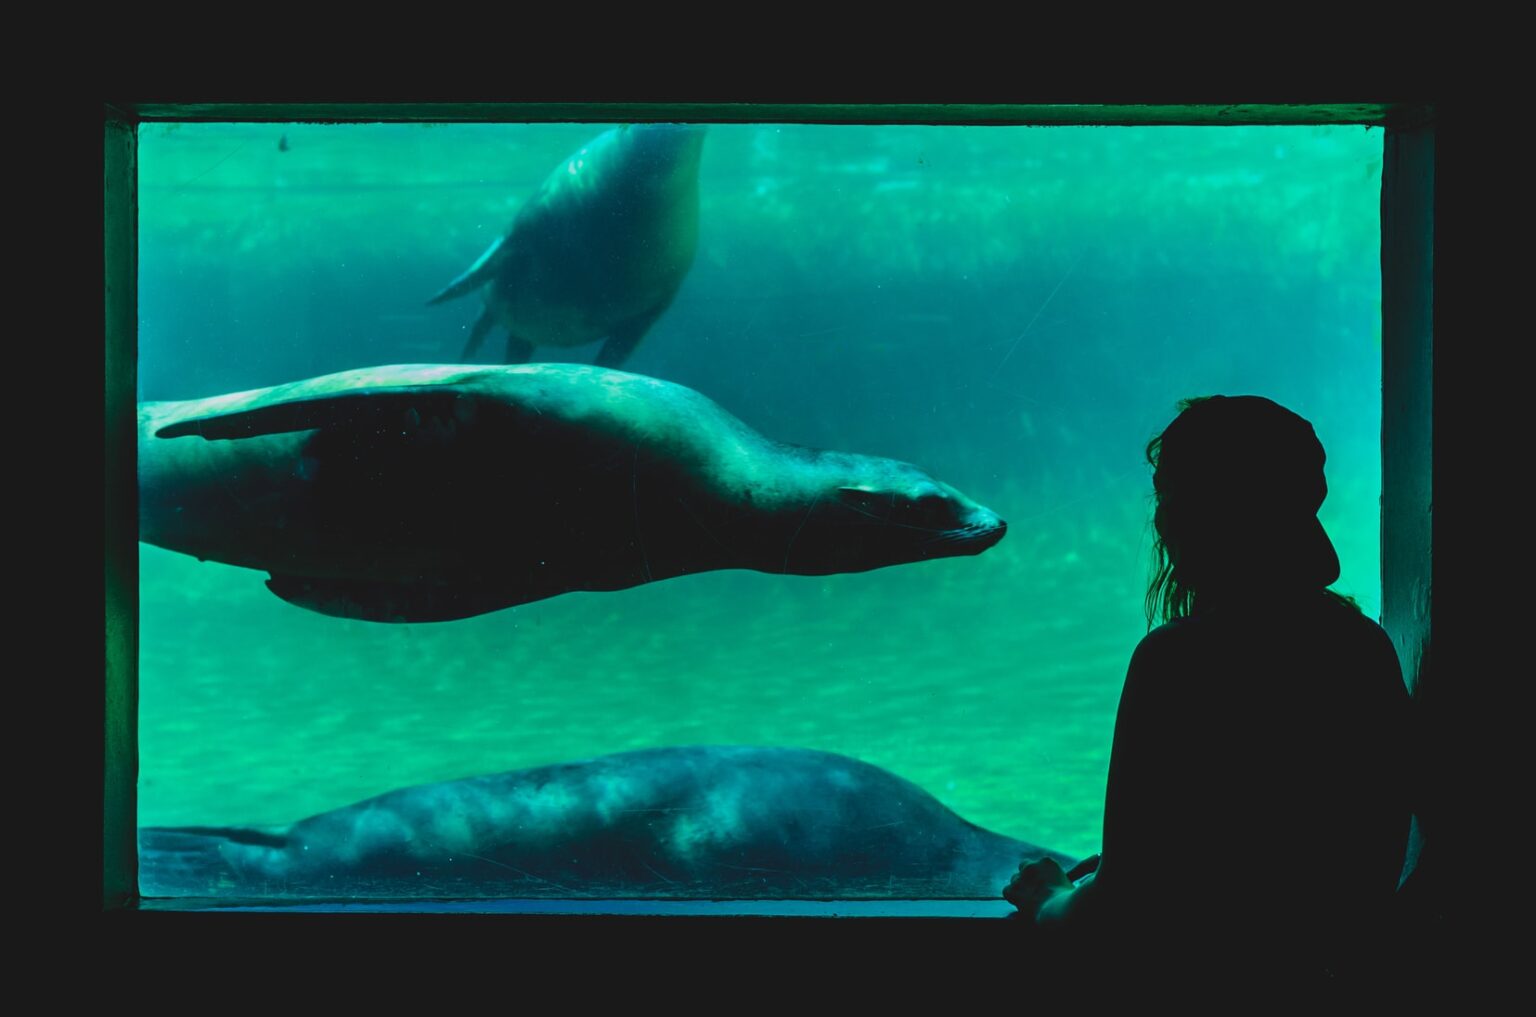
<point x="701" y="695"/>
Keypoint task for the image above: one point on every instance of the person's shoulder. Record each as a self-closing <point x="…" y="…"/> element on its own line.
<point x="1351" y="622"/>
<point x="1171" y="634"/>
<point x="1170" y="640"/>
<point x="1165" y="668"/>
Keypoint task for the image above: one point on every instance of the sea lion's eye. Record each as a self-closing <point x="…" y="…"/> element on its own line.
<point x="931" y="510"/>
<point x="869" y="503"/>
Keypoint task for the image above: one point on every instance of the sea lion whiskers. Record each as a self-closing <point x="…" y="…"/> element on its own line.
<point x="885" y="521"/>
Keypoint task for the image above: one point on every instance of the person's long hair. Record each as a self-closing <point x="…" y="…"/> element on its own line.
<point x="1170" y="595"/>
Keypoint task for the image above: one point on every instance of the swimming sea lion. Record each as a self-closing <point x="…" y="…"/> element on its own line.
<point x="712" y="821"/>
<point x="599" y="251"/>
<point x="428" y="493"/>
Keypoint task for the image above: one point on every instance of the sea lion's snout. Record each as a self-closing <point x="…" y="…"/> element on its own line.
<point x="988" y="533"/>
<point x="983" y="518"/>
<point x="981" y="529"/>
<point x="895" y="512"/>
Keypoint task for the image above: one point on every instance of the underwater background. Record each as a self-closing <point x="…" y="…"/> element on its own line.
<point x="1017" y="311"/>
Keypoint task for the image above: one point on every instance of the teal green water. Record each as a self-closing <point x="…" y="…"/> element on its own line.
<point x="1016" y="310"/>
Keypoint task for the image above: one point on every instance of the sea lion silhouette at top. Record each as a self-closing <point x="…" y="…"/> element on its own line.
<point x="430" y="493"/>
<point x="599" y="251"/>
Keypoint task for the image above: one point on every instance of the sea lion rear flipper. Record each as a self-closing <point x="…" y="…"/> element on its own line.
<point x="476" y="276"/>
<point x="477" y="334"/>
<point x="389" y="602"/>
<point x="195" y="861"/>
<point x="623" y="340"/>
<point x="519" y="351"/>
<point x="363" y="407"/>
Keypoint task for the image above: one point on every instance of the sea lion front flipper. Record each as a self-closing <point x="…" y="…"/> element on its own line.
<point x="476" y="276"/>
<point x="623" y="340"/>
<point x="364" y="407"/>
<point x="390" y="602"/>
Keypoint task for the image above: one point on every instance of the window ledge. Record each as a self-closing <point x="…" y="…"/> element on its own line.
<point x="992" y="909"/>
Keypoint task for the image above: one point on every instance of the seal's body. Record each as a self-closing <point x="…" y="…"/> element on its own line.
<point x="600" y="250"/>
<point x="694" y="821"/>
<point x="428" y="493"/>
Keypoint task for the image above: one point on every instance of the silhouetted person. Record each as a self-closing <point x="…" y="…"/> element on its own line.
<point x="1257" y="808"/>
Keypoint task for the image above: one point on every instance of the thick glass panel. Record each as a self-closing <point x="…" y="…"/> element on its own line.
<point x="1016" y="311"/>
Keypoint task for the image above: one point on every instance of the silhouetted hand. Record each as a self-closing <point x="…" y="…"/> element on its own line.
<point x="1036" y="883"/>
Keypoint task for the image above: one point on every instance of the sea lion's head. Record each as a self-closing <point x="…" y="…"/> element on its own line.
<point x="871" y="512"/>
